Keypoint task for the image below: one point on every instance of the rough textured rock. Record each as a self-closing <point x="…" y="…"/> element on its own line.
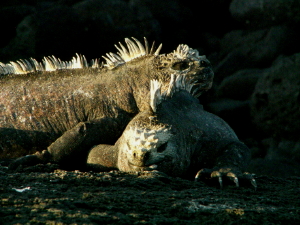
<point x="235" y="113"/>
<point x="240" y="85"/>
<point x="70" y="197"/>
<point x="242" y="49"/>
<point x="275" y="101"/>
<point x="277" y="158"/>
<point x="232" y="98"/>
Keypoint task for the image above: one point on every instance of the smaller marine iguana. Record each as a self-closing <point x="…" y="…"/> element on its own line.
<point x="178" y="137"/>
<point x="73" y="105"/>
<point x="175" y="136"/>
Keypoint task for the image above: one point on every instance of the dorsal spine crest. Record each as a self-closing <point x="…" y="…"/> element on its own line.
<point x="177" y="83"/>
<point x="135" y="49"/>
<point x="50" y="63"/>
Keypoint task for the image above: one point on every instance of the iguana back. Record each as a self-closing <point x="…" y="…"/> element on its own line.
<point x="39" y="102"/>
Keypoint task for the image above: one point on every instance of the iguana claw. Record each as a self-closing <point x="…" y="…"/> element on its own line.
<point x="233" y="177"/>
<point x="218" y="175"/>
<point x="225" y="173"/>
<point x="250" y="177"/>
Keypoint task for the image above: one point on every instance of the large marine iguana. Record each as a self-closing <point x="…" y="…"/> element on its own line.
<point x="74" y="105"/>
<point x="178" y="137"/>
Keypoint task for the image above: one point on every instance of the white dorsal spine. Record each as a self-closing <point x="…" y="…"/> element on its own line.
<point x="177" y="83"/>
<point x="155" y="94"/>
<point x="50" y="63"/>
<point x="181" y="51"/>
<point x="135" y="49"/>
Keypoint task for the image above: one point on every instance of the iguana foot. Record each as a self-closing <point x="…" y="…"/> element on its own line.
<point x="30" y="160"/>
<point x="226" y="173"/>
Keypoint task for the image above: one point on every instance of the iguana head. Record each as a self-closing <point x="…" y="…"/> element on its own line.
<point x="184" y="61"/>
<point x="142" y="148"/>
<point x="148" y="142"/>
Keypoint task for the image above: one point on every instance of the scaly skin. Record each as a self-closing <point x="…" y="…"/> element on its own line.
<point x="173" y="135"/>
<point x="76" y="109"/>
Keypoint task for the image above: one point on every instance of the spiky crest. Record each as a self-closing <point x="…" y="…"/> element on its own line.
<point x="176" y="84"/>
<point x="184" y="51"/>
<point x="50" y="63"/>
<point x="134" y="50"/>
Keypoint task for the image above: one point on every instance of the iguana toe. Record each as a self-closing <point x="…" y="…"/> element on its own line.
<point x="249" y="176"/>
<point x="234" y="178"/>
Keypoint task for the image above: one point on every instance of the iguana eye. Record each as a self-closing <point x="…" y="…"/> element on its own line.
<point x="204" y="63"/>
<point x="180" y="66"/>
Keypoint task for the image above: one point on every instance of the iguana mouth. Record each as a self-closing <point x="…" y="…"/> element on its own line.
<point x="143" y="168"/>
<point x="150" y="166"/>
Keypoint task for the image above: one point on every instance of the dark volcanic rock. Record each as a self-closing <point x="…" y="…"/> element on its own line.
<point x="276" y="99"/>
<point x="235" y="112"/>
<point x="240" y="85"/>
<point x="242" y="49"/>
<point x="64" y="197"/>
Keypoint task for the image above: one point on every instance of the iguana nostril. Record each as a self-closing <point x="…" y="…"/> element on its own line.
<point x="146" y="155"/>
<point x="162" y="147"/>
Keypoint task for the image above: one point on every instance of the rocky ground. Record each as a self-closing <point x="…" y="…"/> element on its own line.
<point x="46" y="195"/>
<point x="254" y="48"/>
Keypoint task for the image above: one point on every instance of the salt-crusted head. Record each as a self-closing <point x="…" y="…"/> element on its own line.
<point x="146" y="141"/>
<point x="187" y="62"/>
<point x="183" y="61"/>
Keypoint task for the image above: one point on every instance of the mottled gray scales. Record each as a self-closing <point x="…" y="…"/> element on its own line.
<point x="45" y="102"/>
<point x="177" y="137"/>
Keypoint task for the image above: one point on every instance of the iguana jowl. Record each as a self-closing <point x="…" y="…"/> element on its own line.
<point x="75" y="106"/>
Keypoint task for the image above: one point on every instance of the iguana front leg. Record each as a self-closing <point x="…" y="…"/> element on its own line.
<point x="103" y="158"/>
<point x="230" y="165"/>
<point x="71" y="149"/>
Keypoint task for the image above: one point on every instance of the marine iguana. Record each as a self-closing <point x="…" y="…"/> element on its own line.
<point x="178" y="137"/>
<point x="74" y="105"/>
